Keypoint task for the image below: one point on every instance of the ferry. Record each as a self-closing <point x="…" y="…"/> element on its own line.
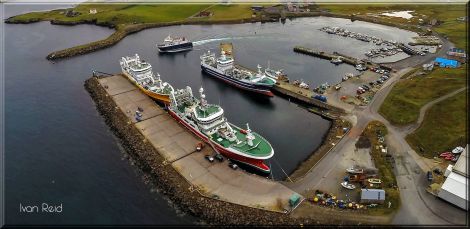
<point x="140" y="73"/>
<point x="175" y="44"/>
<point x="207" y="121"/>
<point x="224" y="68"/>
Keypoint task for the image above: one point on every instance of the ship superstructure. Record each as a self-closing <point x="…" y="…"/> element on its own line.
<point x="140" y="73"/>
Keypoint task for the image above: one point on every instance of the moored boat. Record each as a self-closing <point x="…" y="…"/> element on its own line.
<point x="355" y="170"/>
<point x="347" y="185"/>
<point x="337" y="60"/>
<point x="207" y="121"/>
<point x="223" y="68"/>
<point x="140" y="73"/>
<point x="276" y="75"/>
<point x="374" y="180"/>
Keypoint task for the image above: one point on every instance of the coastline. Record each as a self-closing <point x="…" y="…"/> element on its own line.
<point x="121" y="31"/>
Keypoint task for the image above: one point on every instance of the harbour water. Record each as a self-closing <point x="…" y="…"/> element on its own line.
<point x="59" y="150"/>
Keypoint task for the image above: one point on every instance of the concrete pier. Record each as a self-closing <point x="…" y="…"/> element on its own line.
<point x="177" y="145"/>
<point x="303" y="95"/>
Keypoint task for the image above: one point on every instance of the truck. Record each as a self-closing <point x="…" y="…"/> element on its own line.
<point x="320" y="97"/>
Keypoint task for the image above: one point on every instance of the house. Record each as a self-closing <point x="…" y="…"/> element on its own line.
<point x="446" y="63"/>
<point x="93" y="11"/>
<point x="455" y="187"/>
<point x="372" y="196"/>
<point x="457" y="52"/>
<point x="257" y="8"/>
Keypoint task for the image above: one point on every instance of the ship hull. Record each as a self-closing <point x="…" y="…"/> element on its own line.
<point x="175" y="48"/>
<point x="257" y="164"/>
<point x="265" y="90"/>
<point x="157" y="96"/>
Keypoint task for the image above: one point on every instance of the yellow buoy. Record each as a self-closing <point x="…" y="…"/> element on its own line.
<point x="315" y="199"/>
<point x="350" y="205"/>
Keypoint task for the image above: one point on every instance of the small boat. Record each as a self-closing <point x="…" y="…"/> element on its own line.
<point x="273" y="73"/>
<point x="347" y="185"/>
<point x="354" y="170"/>
<point x="336" y="60"/>
<point x="374" y="181"/>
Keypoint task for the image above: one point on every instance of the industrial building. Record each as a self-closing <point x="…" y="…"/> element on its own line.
<point x="455" y="187"/>
<point x="446" y="63"/>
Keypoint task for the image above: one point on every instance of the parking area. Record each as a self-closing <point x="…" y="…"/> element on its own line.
<point x="357" y="89"/>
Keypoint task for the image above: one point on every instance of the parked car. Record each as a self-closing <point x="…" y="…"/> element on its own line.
<point x="429" y="176"/>
<point x="380" y="81"/>
<point x="372" y="83"/>
<point x="457" y="150"/>
<point x="366" y="87"/>
<point x="209" y="158"/>
<point x="233" y="165"/>
<point x="219" y="157"/>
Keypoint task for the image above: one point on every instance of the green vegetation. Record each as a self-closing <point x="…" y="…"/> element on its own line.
<point x="402" y="105"/>
<point x="230" y="12"/>
<point x="444" y="127"/>
<point x="118" y="14"/>
<point x="389" y="182"/>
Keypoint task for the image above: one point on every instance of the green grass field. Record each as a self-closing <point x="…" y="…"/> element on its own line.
<point x="444" y="127"/>
<point x="402" y="105"/>
<point x="122" y="13"/>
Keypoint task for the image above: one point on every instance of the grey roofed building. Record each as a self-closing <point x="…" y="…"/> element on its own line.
<point x="369" y="196"/>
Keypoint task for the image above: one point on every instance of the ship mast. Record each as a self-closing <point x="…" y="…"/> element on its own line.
<point x="249" y="136"/>
<point x="203" y="99"/>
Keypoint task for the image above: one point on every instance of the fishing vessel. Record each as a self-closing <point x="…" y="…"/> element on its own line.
<point x="223" y="68"/>
<point x="140" y="73"/>
<point x="273" y="74"/>
<point x="175" y="44"/>
<point x="207" y="121"/>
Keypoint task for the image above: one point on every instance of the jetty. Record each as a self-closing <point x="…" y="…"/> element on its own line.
<point x="302" y="95"/>
<point x="177" y="146"/>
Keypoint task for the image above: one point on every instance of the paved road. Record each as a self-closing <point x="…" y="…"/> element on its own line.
<point x="418" y="207"/>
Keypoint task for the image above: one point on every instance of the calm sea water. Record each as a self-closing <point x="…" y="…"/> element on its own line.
<point x="59" y="150"/>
